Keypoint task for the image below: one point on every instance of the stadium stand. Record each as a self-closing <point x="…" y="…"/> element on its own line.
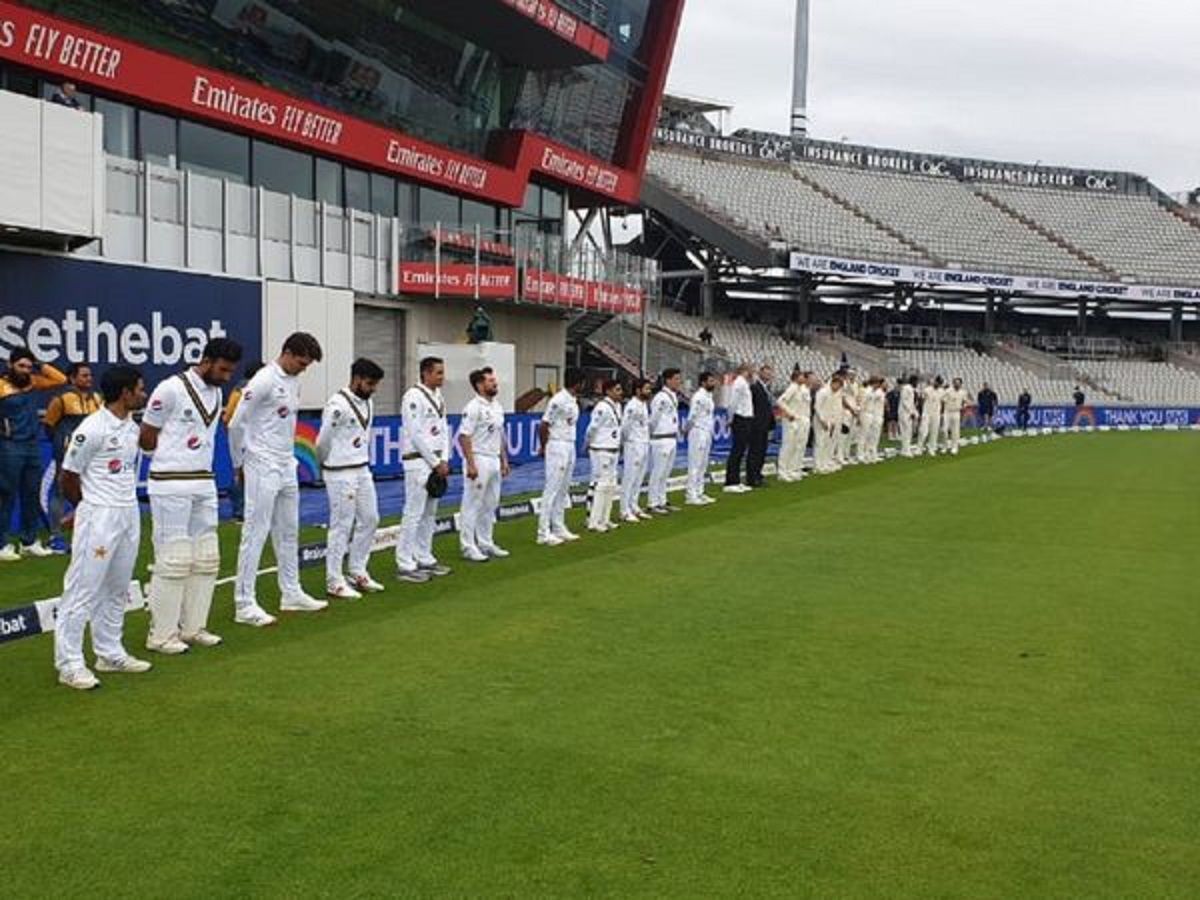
<point x="1143" y="382"/>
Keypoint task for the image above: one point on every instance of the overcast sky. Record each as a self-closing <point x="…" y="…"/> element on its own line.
<point x="1064" y="82"/>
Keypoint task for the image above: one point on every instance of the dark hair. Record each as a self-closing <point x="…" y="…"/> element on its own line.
<point x="366" y="368"/>
<point x="704" y="376"/>
<point x="222" y="348"/>
<point x="253" y="369"/>
<point x="116" y="380"/>
<point x="303" y="344"/>
<point x="668" y="374"/>
<point x="638" y="384"/>
<point x="478" y="376"/>
<point x="429" y="362"/>
<point x="576" y="378"/>
<point x="19" y="353"/>
<point x="608" y="384"/>
<point x="74" y="368"/>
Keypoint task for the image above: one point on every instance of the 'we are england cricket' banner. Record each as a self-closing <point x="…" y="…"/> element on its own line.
<point x="966" y="280"/>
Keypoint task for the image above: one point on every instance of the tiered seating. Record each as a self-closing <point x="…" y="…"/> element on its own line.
<point x="768" y="202"/>
<point x="951" y="221"/>
<point x="1131" y="234"/>
<point x="1145" y="383"/>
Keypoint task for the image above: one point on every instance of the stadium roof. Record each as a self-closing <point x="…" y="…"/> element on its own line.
<point x="675" y="103"/>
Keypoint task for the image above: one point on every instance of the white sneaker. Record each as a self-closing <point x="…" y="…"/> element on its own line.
<point x="130" y="665"/>
<point x="413" y="576"/>
<point x="202" y="638"/>
<point x="732" y="489"/>
<point x="253" y="615"/>
<point x="549" y="540"/>
<point x="169" y="647"/>
<point x="79" y="679"/>
<point x="695" y="501"/>
<point x="630" y="518"/>
<point x="8" y="553"/>
<point x="343" y="591"/>
<point x="706" y="500"/>
<point x="643" y="515"/>
<point x="301" y="603"/>
<point x="475" y="555"/>
<point x="598" y="529"/>
<point x="495" y="551"/>
<point x="434" y="569"/>
<point x="566" y="535"/>
<point x="36" y="549"/>
<point x="366" y="584"/>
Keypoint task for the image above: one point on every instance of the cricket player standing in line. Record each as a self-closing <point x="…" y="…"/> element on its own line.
<point x="908" y="415"/>
<point x="556" y="434"/>
<point x="828" y="424"/>
<point x="851" y="417"/>
<point x="262" y="436"/>
<point x="100" y="478"/>
<point x="931" y="417"/>
<point x="635" y="438"/>
<point x="953" y="402"/>
<point x="874" y="406"/>
<point x="485" y="453"/>
<point x="664" y="440"/>
<point x="180" y="429"/>
<point x="603" y="442"/>
<point x="344" y="451"/>
<point x="699" y="431"/>
<point x="426" y="449"/>
<point x="796" y="406"/>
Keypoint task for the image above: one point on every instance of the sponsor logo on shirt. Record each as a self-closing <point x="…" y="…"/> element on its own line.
<point x="193" y="442"/>
<point x="282" y="412"/>
<point x="156" y="404"/>
<point x="115" y="466"/>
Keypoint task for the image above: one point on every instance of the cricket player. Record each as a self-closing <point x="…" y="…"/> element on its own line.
<point x="485" y="454"/>
<point x="344" y="451"/>
<point x="556" y="434"/>
<point x="851" y="417"/>
<point x="100" y="478"/>
<point x="426" y="449"/>
<point x="829" y="411"/>
<point x="931" y="417"/>
<point x="664" y="439"/>
<point x="699" y="431"/>
<point x="603" y="442"/>
<point x="795" y="407"/>
<point x="874" y="404"/>
<point x="262" y="436"/>
<point x="63" y="415"/>
<point x="953" y="402"/>
<point x="635" y="442"/>
<point x="908" y="415"/>
<point x="180" y="429"/>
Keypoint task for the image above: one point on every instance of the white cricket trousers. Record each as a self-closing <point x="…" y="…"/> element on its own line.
<point x="605" y="486"/>
<point x="791" y="451"/>
<point x="698" y="452"/>
<point x="872" y="432"/>
<point x="953" y="421"/>
<point x="481" y="499"/>
<point x="556" y="495"/>
<point x="103" y="552"/>
<point x="633" y="473"/>
<point x="906" y="433"/>
<point x="415" y="545"/>
<point x="927" y="434"/>
<point x="353" y="518"/>
<point x="187" y="557"/>
<point x="824" y="447"/>
<point x="272" y="507"/>
<point x="662" y="461"/>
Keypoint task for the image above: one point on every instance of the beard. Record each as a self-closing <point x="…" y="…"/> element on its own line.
<point x="361" y="394"/>
<point x="20" y="379"/>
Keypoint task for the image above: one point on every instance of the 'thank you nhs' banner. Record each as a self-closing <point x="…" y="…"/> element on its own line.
<point x="76" y="311"/>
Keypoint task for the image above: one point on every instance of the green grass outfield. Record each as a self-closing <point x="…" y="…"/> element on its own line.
<point x="972" y="677"/>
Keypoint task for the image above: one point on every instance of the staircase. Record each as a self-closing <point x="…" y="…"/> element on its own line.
<point x="580" y="328"/>
<point x="1053" y="237"/>
<point x="922" y="251"/>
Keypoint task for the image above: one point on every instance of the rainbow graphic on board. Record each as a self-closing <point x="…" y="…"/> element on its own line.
<point x="306" y="451"/>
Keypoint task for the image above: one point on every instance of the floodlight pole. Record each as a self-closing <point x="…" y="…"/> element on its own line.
<point x="800" y="74"/>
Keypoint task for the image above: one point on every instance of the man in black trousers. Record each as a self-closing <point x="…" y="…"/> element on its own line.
<point x="741" y="418"/>
<point x="763" y="425"/>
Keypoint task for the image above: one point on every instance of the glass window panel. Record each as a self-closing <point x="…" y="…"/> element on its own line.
<point x="212" y="152"/>
<point x="406" y="201"/>
<point x="329" y="182"/>
<point x="283" y="171"/>
<point x="157" y="139"/>
<point x="120" y="128"/>
<point x="383" y="195"/>
<point x="358" y="189"/>
<point x="438" y="207"/>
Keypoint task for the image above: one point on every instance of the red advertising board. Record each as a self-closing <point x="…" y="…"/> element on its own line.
<point x="458" y="280"/>
<point x="427" y="279"/>
<point x="554" y="18"/>
<point x="69" y="51"/>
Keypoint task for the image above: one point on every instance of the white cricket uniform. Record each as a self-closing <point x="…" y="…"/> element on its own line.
<point x="701" y="417"/>
<point x="603" y="440"/>
<point x="931" y="419"/>
<point x="104" y="453"/>
<point x="344" y="451"/>
<point x="796" y="404"/>
<point x="952" y="407"/>
<point x="851" y="414"/>
<point x="664" y="443"/>
<point x="907" y="416"/>
<point x="829" y="421"/>
<point x="874" y="404"/>
<point x="483" y="423"/>
<point x="562" y="415"/>
<point x="635" y="442"/>
<point x="262" y="436"/>
<point x="183" y="505"/>
<point x="425" y="444"/>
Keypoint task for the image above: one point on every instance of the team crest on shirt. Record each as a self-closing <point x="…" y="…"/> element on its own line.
<point x="115" y="466"/>
<point x="193" y="442"/>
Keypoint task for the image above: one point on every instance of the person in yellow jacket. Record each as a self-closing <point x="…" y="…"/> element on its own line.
<point x="20" y="456"/>
<point x="63" y="415"/>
